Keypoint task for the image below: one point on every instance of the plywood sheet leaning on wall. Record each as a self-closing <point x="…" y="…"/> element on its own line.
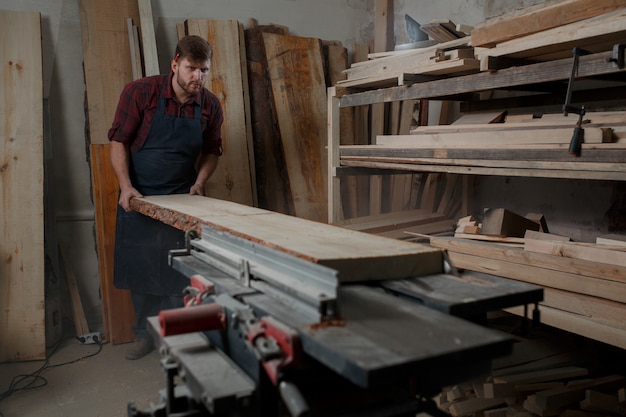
<point x="22" y="312"/>
<point x="297" y="79"/>
<point x="233" y="179"/>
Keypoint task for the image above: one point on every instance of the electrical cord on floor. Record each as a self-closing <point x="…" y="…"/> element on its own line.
<point x="35" y="379"/>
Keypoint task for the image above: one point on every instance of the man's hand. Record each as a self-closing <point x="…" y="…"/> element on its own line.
<point x="125" y="195"/>
<point x="197" y="189"/>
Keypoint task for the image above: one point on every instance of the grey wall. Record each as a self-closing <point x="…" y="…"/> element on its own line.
<point x="348" y="21"/>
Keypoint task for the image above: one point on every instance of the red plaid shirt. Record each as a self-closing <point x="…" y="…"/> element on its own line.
<point x="138" y="104"/>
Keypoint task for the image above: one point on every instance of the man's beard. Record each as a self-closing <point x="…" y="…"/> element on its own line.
<point x="188" y="88"/>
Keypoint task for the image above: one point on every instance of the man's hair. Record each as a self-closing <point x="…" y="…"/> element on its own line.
<point x="194" y="48"/>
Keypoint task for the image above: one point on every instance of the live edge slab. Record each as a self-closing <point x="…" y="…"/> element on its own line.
<point x="357" y="256"/>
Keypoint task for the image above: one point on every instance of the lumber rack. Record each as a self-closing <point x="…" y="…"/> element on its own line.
<point x="598" y="161"/>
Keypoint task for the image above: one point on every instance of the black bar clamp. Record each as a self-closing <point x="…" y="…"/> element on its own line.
<point x="578" y="136"/>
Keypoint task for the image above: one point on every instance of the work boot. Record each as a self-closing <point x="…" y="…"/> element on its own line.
<point x="140" y="348"/>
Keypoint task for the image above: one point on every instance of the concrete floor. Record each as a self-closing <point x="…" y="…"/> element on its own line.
<point x="97" y="386"/>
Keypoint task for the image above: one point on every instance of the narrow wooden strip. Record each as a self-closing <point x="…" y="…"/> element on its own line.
<point x="574" y="250"/>
<point x="78" y="313"/>
<point x="566" y="372"/>
<point x="516" y="172"/>
<point x="497" y="163"/>
<point x="148" y="39"/>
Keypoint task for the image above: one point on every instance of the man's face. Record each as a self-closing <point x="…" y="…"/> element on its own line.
<point x="190" y="76"/>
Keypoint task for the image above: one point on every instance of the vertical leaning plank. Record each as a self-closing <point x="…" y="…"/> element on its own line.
<point x="361" y="137"/>
<point x="334" y="183"/>
<point x="148" y="40"/>
<point x="297" y="75"/>
<point x="22" y="312"/>
<point x="272" y="180"/>
<point x="337" y="58"/>
<point x="135" y="54"/>
<point x="233" y="179"/>
<point x="107" y="70"/>
<point x="117" y="308"/>
<point x="383" y="41"/>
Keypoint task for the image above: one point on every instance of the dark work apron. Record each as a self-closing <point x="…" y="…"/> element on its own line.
<point x="164" y="165"/>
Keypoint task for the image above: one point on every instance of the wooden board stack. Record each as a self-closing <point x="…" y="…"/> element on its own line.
<point x="584" y="283"/>
<point x="546" y="377"/>
<point x="534" y="146"/>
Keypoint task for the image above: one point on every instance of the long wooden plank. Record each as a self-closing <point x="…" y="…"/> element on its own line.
<point x="297" y="76"/>
<point x="537" y="18"/>
<point x="488" y="137"/>
<point x="349" y="166"/>
<point x="22" y="270"/>
<point x="496" y="163"/>
<point x="589" y="252"/>
<point x="272" y="180"/>
<point x="117" y="309"/>
<point x="410" y="62"/>
<point x="148" y="39"/>
<point x="601" y="288"/>
<point x="233" y="179"/>
<point x="106" y="59"/>
<point x="539" y="260"/>
<point x="355" y="255"/>
<point x="578" y="324"/>
<point x="596" y="34"/>
<point x="405" y="154"/>
<point x="606" y="312"/>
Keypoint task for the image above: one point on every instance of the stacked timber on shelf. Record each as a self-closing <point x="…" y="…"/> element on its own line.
<point x="584" y="283"/>
<point x="527" y="57"/>
<point x="535" y="147"/>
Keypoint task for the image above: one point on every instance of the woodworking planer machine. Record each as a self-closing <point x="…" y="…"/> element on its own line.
<point x="266" y="333"/>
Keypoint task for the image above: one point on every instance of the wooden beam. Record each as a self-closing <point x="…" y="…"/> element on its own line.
<point x="595" y="34"/>
<point x="537" y="18"/>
